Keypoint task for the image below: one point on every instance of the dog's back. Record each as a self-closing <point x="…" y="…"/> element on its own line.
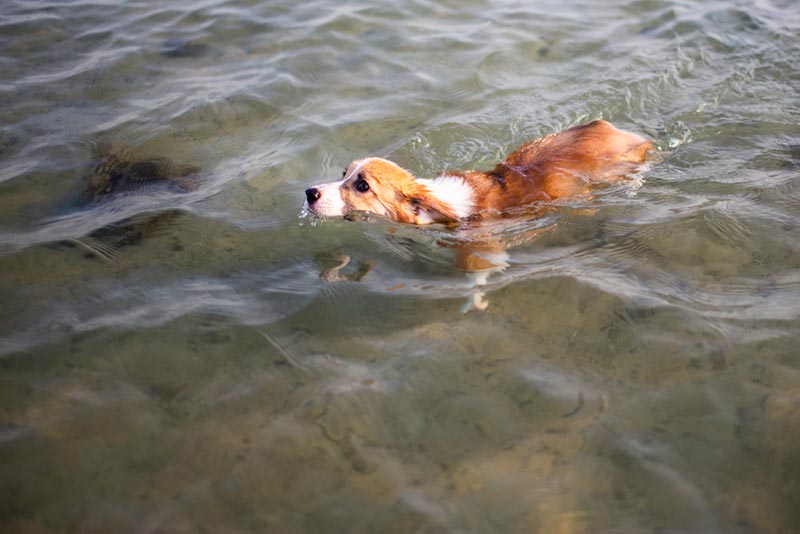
<point x="561" y="165"/>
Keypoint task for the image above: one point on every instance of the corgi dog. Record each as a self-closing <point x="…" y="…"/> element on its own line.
<point x="558" y="166"/>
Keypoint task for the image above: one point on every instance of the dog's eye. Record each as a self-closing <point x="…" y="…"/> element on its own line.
<point x="362" y="186"/>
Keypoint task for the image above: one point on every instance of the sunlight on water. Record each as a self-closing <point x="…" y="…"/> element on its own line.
<point x="185" y="347"/>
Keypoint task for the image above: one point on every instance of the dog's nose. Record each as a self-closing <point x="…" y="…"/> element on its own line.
<point x="312" y="194"/>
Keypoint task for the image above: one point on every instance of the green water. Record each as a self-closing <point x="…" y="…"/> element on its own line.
<point x="172" y="361"/>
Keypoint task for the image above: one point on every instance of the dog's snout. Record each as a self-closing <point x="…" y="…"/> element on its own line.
<point x="312" y="194"/>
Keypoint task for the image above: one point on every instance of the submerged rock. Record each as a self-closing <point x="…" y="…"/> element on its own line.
<point x="106" y="242"/>
<point x="121" y="171"/>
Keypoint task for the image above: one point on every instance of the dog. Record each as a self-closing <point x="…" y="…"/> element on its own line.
<point x="558" y="166"/>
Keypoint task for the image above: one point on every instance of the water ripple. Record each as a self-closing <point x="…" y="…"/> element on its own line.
<point x="229" y="367"/>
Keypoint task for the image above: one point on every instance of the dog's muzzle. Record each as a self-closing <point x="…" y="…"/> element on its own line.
<point x="312" y="194"/>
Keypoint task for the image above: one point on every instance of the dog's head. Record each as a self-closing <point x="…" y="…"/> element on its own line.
<point x="378" y="186"/>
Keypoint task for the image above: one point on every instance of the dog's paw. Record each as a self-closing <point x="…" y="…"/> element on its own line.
<point x="475" y="302"/>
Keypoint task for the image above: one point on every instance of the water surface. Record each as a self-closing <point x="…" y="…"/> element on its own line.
<point x="172" y="361"/>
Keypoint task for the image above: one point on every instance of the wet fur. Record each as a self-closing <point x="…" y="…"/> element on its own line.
<point x="566" y="164"/>
<point x="563" y="165"/>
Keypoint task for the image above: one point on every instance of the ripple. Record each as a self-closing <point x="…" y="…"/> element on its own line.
<point x="137" y="303"/>
<point x="515" y="68"/>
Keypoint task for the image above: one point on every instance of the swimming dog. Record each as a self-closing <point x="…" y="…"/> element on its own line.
<point x="564" y="165"/>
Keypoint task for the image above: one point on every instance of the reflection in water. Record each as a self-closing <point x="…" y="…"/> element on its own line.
<point x="332" y="266"/>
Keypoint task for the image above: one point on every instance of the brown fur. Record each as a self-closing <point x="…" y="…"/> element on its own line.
<point x="393" y="193"/>
<point x="560" y="165"/>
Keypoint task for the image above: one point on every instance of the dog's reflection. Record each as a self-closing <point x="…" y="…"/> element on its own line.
<point x="477" y="253"/>
<point x="333" y="267"/>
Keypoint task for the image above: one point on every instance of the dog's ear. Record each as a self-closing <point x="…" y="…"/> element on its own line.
<point x="426" y="209"/>
<point x="415" y="203"/>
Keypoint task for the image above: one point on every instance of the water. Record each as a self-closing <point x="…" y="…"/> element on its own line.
<point x="173" y="362"/>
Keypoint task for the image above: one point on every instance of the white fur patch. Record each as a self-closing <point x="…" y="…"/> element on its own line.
<point x="330" y="202"/>
<point x="453" y="191"/>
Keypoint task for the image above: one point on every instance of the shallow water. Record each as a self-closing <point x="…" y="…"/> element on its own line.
<point x="173" y="362"/>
